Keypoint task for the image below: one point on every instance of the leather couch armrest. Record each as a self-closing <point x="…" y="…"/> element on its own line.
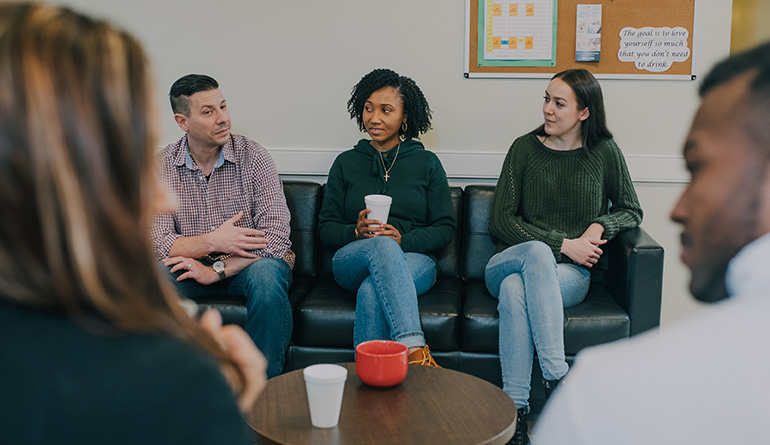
<point x="635" y="277"/>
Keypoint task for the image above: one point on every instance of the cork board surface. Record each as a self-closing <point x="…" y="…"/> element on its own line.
<point x="616" y="16"/>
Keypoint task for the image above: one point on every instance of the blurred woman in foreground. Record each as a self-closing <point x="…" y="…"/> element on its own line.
<point x="93" y="347"/>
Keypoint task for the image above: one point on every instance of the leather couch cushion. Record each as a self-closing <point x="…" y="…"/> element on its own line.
<point x="303" y="200"/>
<point x="598" y="319"/>
<point x="478" y="244"/>
<point x="449" y="256"/>
<point x="326" y="316"/>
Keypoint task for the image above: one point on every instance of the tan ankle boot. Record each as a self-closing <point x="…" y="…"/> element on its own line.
<point x="422" y="357"/>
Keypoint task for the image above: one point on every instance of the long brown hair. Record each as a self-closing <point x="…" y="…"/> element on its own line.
<point x="77" y="134"/>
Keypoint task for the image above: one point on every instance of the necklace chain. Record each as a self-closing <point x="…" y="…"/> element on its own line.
<point x="387" y="170"/>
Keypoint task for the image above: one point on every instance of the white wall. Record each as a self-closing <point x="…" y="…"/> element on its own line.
<point x="287" y="68"/>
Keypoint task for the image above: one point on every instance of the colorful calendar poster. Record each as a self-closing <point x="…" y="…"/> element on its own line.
<point x="518" y="32"/>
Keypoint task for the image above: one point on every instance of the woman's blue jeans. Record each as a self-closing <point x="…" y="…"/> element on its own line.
<point x="532" y="290"/>
<point x="387" y="282"/>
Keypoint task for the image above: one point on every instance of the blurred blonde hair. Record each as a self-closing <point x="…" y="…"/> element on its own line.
<point x="77" y="135"/>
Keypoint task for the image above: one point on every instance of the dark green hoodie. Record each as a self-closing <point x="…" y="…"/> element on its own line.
<point x="421" y="208"/>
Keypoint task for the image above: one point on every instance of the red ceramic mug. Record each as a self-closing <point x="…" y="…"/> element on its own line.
<point x="381" y="362"/>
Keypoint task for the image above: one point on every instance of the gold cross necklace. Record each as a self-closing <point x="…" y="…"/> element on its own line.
<point x="387" y="170"/>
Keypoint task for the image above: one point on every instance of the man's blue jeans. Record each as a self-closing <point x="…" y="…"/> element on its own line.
<point x="532" y="290"/>
<point x="265" y="283"/>
<point x="387" y="282"/>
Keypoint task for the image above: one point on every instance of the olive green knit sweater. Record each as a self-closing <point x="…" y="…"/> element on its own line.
<point x="549" y="195"/>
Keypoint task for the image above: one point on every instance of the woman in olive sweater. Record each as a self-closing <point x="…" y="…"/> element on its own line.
<point x="564" y="190"/>
<point x="388" y="265"/>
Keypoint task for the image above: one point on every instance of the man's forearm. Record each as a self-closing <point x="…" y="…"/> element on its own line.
<point x="191" y="246"/>
<point x="235" y="264"/>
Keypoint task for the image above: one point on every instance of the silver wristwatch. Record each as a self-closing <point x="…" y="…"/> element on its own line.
<point x="219" y="267"/>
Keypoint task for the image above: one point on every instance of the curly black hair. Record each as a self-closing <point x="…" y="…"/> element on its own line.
<point x="416" y="108"/>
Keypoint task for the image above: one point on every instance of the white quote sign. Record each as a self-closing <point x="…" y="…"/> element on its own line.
<point x="653" y="49"/>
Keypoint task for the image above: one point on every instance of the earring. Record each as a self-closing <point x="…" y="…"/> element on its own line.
<point x="404" y="127"/>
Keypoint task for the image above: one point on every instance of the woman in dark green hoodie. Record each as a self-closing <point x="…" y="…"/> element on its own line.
<point x="388" y="265"/>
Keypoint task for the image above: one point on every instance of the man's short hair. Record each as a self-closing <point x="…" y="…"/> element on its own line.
<point x="757" y="101"/>
<point x="757" y="58"/>
<point x="185" y="87"/>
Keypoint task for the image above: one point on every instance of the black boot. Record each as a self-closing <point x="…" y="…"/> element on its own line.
<point x="549" y="386"/>
<point x="520" y="437"/>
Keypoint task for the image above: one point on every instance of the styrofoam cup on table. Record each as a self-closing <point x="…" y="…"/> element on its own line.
<point x="325" y="384"/>
<point x="380" y="205"/>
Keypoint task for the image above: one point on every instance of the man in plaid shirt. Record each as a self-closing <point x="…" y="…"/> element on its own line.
<point x="229" y="232"/>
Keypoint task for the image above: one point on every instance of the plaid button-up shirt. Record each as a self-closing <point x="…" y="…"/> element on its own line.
<point x="243" y="179"/>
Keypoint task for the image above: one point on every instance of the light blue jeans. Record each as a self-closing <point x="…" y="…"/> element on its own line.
<point x="387" y="282"/>
<point x="265" y="283"/>
<point x="532" y="290"/>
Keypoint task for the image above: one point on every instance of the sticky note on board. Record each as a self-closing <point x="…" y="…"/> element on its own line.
<point x="588" y="34"/>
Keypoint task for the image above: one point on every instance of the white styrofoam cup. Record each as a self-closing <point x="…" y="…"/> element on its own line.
<point x="380" y="205"/>
<point x="325" y="384"/>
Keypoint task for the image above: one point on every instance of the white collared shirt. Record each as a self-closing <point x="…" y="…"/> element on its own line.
<point x="748" y="274"/>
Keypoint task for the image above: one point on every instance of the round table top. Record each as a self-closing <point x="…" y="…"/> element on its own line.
<point x="432" y="405"/>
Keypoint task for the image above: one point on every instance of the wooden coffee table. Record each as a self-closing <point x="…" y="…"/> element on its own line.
<point x="431" y="405"/>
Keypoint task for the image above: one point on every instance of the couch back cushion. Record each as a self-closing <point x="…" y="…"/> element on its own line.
<point x="304" y="201"/>
<point x="448" y="257"/>
<point x="478" y="243"/>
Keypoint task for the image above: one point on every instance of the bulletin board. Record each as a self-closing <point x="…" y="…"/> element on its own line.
<point x="652" y="36"/>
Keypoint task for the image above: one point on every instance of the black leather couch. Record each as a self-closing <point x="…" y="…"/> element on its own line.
<point x="458" y="315"/>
